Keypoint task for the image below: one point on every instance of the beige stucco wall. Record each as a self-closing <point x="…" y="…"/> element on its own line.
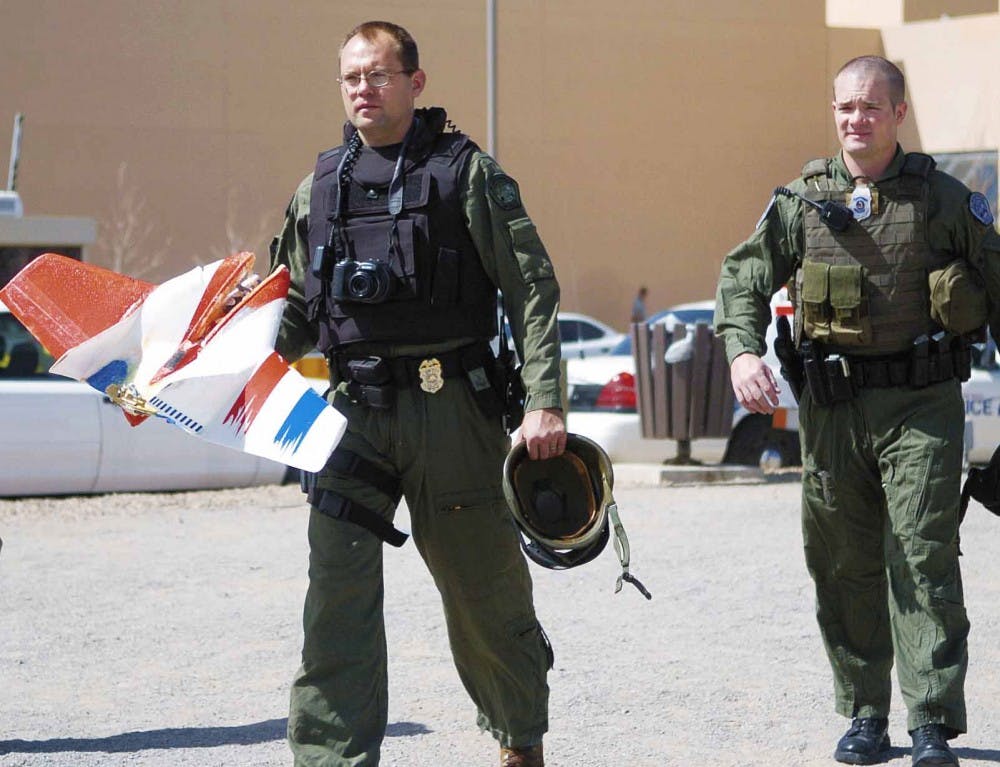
<point x="646" y="135"/>
<point x="891" y="13"/>
<point x="953" y="78"/>
<point x="922" y="10"/>
<point x="191" y="120"/>
<point x="864" y="13"/>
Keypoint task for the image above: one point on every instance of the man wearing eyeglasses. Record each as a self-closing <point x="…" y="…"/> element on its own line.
<point x="397" y="245"/>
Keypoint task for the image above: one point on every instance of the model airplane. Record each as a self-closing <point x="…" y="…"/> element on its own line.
<point x="197" y="350"/>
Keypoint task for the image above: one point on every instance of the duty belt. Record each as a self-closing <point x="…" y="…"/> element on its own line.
<point x="833" y="377"/>
<point x="374" y="380"/>
<point x="905" y="370"/>
<point x="405" y="371"/>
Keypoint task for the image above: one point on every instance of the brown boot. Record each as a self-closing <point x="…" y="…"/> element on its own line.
<point x="529" y="756"/>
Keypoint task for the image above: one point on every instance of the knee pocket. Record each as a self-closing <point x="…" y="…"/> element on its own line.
<point x="476" y="545"/>
<point x="528" y="633"/>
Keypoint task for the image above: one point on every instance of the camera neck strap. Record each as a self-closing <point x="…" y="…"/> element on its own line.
<point x="396" y="190"/>
<point x="397" y="185"/>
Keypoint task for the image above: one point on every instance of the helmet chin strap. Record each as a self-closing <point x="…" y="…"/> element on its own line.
<point x="623" y="552"/>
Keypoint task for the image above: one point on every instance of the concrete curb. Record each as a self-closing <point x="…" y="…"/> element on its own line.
<point x="663" y="475"/>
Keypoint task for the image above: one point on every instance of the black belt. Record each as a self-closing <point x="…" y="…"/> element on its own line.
<point x="405" y="371"/>
<point x="880" y="373"/>
<point x="900" y="370"/>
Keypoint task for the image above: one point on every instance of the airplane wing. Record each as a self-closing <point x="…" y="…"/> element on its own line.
<point x="197" y="350"/>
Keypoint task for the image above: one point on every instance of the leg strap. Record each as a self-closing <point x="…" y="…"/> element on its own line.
<point x="335" y="505"/>
<point x="347" y="462"/>
<point x="338" y="507"/>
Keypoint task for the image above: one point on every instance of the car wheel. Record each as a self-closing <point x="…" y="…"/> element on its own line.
<point x="753" y="437"/>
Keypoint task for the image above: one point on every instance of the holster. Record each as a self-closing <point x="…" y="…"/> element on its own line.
<point x="371" y="382"/>
<point x="511" y="389"/>
<point x="792" y="369"/>
<point x="828" y="377"/>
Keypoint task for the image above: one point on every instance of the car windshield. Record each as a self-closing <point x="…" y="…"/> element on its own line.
<point x="21" y="356"/>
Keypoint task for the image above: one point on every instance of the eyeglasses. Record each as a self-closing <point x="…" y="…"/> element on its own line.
<point x="376" y="79"/>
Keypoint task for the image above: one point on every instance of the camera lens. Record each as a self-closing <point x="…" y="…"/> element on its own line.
<point x="361" y="285"/>
<point x="364" y="281"/>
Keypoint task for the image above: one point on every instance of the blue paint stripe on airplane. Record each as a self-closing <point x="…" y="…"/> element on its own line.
<point x="300" y="419"/>
<point x="114" y="372"/>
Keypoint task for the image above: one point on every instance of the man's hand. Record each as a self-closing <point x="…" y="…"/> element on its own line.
<point x="754" y="384"/>
<point x="543" y="432"/>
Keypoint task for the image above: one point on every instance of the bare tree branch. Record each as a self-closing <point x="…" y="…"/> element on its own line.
<point x="238" y="238"/>
<point x="127" y="237"/>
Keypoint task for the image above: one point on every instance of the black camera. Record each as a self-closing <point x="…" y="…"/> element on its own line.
<point x="367" y="282"/>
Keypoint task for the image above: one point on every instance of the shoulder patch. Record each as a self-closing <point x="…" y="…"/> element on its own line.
<point x="504" y="192"/>
<point x="979" y="206"/>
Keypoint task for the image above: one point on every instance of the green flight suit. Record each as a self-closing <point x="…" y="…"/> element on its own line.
<point x="449" y="457"/>
<point x="880" y="483"/>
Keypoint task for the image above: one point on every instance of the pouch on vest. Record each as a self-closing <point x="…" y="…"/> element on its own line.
<point x="815" y="304"/>
<point x="371" y="242"/>
<point x="850" y="324"/>
<point x="958" y="299"/>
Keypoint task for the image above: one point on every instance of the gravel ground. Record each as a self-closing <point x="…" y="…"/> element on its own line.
<point x="162" y="630"/>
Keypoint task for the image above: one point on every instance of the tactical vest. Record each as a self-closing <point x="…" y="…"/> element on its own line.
<point x="864" y="290"/>
<point x="441" y="290"/>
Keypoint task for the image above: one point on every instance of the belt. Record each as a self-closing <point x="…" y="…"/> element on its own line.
<point x="880" y="373"/>
<point x="899" y="370"/>
<point x="407" y="371"/>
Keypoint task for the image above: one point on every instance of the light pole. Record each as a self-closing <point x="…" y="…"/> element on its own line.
<point x="491" y="77"/>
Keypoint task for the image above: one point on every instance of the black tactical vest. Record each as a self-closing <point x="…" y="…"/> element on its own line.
<point x="865" y="290"/>
<point x="440" y="289"/>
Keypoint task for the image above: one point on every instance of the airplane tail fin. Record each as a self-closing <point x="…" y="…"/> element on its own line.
<point x="63" y="302"/>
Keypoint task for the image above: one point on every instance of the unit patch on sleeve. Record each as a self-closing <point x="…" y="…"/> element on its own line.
<point x="979" y="206"/>
<point x="504" y="192"/>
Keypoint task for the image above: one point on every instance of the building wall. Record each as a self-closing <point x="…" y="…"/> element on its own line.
<point x="649" y="141"/>
<point x="892" y="13"/>
<point x="923" y="10"/>
<point x="646" y="135"/>
<point x="184" y="126"/>
<point x="953" y="77"/>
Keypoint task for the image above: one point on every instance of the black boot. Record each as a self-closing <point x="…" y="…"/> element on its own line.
<point x="930" y="747"/>
<point x="864" y="743"/>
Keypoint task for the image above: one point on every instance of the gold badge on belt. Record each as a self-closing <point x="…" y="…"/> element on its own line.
<point x="431" y="379"/>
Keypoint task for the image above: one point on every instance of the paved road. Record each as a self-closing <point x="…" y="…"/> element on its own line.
<point x="160" y="630"/>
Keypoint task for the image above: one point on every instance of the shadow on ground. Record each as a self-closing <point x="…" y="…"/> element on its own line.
<point x="972" y="754"/>
<point x="179" y="737"/>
